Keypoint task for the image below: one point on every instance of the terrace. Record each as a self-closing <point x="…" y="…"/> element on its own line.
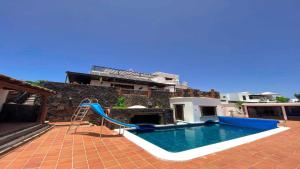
<point x="85" y="149"/>
<point x="56" y="149"/>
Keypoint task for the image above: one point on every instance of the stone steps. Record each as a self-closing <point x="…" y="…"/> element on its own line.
<point x="30" y="100"/>
<point x="18" y="138"/>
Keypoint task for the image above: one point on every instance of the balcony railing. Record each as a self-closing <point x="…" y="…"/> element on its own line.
<point x="178" y="93"/>
<point x="133" y="92"/>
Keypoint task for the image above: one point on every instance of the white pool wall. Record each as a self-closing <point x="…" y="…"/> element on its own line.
<point x="196" y="152"/>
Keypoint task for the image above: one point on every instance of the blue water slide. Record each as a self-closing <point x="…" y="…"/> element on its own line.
<point x="96" y="107"/>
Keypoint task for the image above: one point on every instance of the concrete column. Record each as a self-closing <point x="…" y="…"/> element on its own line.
<point x="172" y="106"/>
<point x="3" y="96"/>
<point x="43" y="113"/>
<point x="246" y="111"/>
<point x="284" y="113"/>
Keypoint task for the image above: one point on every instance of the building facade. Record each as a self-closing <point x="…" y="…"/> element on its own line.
<point x="195" y="109"/>
<point x="265" y="97"/>
<point x="127" y="79"/>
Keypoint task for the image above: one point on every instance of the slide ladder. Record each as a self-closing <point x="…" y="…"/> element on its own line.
<point x="79" y="114"/>
<point x="92" y="104"/>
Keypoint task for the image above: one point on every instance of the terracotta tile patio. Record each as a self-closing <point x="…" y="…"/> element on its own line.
<point x="56" y="149"/>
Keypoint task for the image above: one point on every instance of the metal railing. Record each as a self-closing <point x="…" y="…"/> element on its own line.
<point x="102" y="69"/>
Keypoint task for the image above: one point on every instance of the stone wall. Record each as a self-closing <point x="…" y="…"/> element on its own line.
<point x="62" y="105"/>
<point x="125" y="115"/>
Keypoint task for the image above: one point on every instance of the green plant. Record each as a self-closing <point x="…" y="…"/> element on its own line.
<point x="36" y="83"/>
<point x="297" y="95"/>
<point x="239" y="104"/>
<point x="281" y="99"/>
<point x="120" y="103"/>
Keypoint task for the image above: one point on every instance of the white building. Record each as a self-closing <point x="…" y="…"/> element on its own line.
<point x="248" y="97"/>
<point x="168" y="78"/>
<point x="294" y="100"/>
<point x="195" y="109"/>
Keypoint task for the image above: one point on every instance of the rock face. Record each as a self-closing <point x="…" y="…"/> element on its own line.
<point x="62" y="105"/>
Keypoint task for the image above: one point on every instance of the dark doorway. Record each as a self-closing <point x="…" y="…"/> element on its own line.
<point x="179" y="113"/>
<point x="266" y="112"/>
<point x="146" y="119"/>
<point x="19" y="113"/>
<point x="208" y="111"/>
<point x="293" y="112"/>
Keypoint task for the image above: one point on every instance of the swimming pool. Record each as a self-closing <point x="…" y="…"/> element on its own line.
<point x="185" y="142"/>
<point x="177" y="139"/>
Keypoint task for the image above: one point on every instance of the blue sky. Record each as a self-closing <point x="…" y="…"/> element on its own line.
<point x="233" y="45"/>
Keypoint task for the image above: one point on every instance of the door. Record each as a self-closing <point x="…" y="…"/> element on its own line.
<point x="179" y="113"/>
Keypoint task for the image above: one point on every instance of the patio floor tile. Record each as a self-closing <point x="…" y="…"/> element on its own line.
<point x="56" y="149"/>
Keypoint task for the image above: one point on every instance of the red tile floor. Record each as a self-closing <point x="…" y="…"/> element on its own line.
<point x="56" y="149"/>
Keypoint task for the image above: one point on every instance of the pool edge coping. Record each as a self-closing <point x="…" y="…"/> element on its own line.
<point x="200" y="151"/>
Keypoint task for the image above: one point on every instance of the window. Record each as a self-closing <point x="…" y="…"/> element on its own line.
<point x="255" y="96"/>
<point x="208" y="111"/>
<point x="244" y="98"/>
<point x="167" y="78"/>
<point x="123" y="86"/>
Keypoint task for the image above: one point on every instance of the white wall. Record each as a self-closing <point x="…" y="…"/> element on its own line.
<point x="3" y="95"/>
<point x="230" y="110"/>
<point x="187" y="109"/>
<point x="205" y="102"/>
<point x="234" y="97"/>
<point x="161" y="78"/>
<point x="192" y="110"/>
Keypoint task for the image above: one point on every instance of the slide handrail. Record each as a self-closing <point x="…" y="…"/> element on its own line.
<point x="96" y="107"/>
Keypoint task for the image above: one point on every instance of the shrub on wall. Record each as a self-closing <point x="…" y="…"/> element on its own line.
<point x="297" y="95"/>
<point x="36" y="83"/>
<point x="120" y="103"/>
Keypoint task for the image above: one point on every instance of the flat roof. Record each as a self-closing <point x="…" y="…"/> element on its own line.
<point x="271" y="104"/>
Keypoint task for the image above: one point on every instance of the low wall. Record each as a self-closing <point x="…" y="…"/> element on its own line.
<point x="125" y="115"/>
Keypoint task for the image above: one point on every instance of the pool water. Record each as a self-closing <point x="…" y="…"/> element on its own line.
<point x="184" y="138"/>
